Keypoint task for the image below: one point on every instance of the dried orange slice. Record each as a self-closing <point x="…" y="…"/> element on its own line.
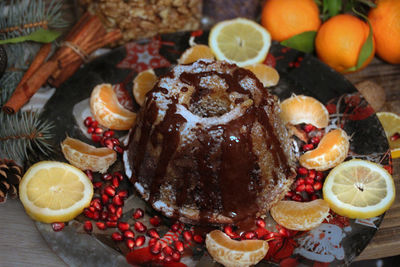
<point x="304" y="109"/>
<point x="87" y="157"/>
<point x="108" y="111"/>
<point x="230" y="252"/>
<point x="266" y="74"/>
<point x="331" y="151"/>
<point x="54" y="191"/>
<point x="142" y="84"/>
<point x="195" y="53"/>
<point x="359" y="189"/>
<point x="300" y="216"/>
<point x="391" y="124"/>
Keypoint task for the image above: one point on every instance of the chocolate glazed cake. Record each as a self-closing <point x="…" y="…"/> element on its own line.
<point x="209" y="147"/>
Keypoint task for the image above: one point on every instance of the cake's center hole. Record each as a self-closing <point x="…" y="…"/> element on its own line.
<point x="214" y="104"/>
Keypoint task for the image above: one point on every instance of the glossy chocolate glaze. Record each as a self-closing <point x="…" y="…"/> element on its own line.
<point x="217" y="172"/>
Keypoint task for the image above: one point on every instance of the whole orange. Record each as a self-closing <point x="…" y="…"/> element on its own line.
<point x="285" y="18"/>
<point x="385" y="20"/>
<point x="339" y="42"/>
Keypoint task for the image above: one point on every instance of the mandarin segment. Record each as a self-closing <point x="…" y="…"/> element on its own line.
<point x="142" y="84"/>
<point x="359" y="189"/>
<point x="195" y="53"/>
<point x="266" y="74"/>
<point x="300" y="216"/>
<point x="231" y="252"/>
<point x="108" y="111"/>
<point x="87" y="157"/>
<point x="331" y="151"/>
<point x="304" y="109"/>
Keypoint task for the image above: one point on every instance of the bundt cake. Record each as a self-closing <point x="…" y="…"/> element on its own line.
<point x="208" y="145"/>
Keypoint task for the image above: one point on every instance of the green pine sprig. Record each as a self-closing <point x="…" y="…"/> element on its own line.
<point x="23" y="135"/>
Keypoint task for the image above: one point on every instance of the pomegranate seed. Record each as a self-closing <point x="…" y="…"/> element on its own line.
<point x="115" y="182"/>
<point x="312" y="174"/>
<point x="88" y="121"/>
<point x="94" y="124"/>
<point x="116" y="236"/>
<point x="57" y="226"/>
<point x="140" y="227"/>
<point x="301" y="188"/>
<point x="297" y="197"/>
<point x="106" y="177"/>
<point x="167" y="250"/>
<point x="160" y="257"/>
<point x="284" y="232"/>
<point x="269" y="236"/>
<point x="108" y="143"/>
<point x="111" y="224"/>
<point x="89" y="174"/>
<point x="112" y="218"/>
<point x="102" y="140"/>
<point x="198" y="239"/>
<point x="88" y="213"/>
<point x="98" y="130"/>
<point x="309" y="181"/>
<point x="101" y="225"/>
<point x="308" y="128"/>
<point x="302" y="171"/>
<point x="395" y="137"/>
<point x="92" y="209"/>
<point x="118" y="212"/>
<point x="110" y="191"/>
<point x="96" y="138"/>
<point x="289" y="194"/>
<point x="123" y="226"/>
<point x="88" y="226"/>
<point x="315" y="140"/>
<point x="96" y="215"/>
<point x="153" y="233"/>
<point x="123" y="193"/>
<point x="90" y="130"/>
<point x="308" y="147"/>
<point x="155" y="248"/>
<point x="111" y="208"/>
<point x="152" y="241"/>
<point x="168" y="259"/>
<point x="179" y="246"/>
<point x="138" y="214"/>
<point x="108" y="133"/>
<point x="309" y="189"/>
<point x="187" y="235"/>
<point x="300" y="181"/>
<point x="130" y="243"/>
<point x="155" y="221"/>
<point x="118" y="149"/>
<point x="314" y="197"/>
<point x="97" y="185"/>
<point x="229" y="231"/>
<point x="129" y="234"/>
<point x="176" y="256"/>
<point x="118" y="175"/>
<point x="260" y="223"/>
<point x="117" y="201"/>
<point x="317" y="186"/>
<point x="115" y="141"/>
<point x="175" y="227"/>
<point x="97" y="206"/>
<point x="139" y="241"/>
<point x="104" y="215"/>
<point x="104" y="199"/>
<point x="319" y="176"/>
<point x="248" y="235"/>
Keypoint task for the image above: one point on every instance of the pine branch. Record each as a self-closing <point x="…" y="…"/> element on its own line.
<point x="24" y="134"/>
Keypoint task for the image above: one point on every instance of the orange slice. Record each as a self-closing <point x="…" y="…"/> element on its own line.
<point x="108" y="111"/>
<point x="331" y="151"/>
<point x="266" y="74"/>
<point x="300" y="216"/>
<point x="87" y="157"/>
<point x="304" y="109"/>
<point x="195" y="53"/>
<point x="230" y="252"/>
<point x="142" y="84"/>
<point x="52" y="191"/>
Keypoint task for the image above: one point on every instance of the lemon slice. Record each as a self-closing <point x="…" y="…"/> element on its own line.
<point x="231" y="252"/>
<point x="52" y="191"/>
<point x="359" y="189"/>
<point x="240" y="41"/>
<point x="391" y="124"/>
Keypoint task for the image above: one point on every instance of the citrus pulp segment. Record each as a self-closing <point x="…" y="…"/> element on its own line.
<point x="359" y="189"/>
<point x="53" y="191"/>
<point x="195" y="53"/>
<point x="266" y="74"/>
<point x="240" y="41"/>
<point x="142" y="84"/>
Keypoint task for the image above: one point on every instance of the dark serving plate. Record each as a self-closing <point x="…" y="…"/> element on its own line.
<point x="336" y="242"/>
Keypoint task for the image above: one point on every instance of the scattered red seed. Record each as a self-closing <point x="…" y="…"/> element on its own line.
<point x="96" y="138"/>
<point x="106" y="177"/>
<point x="395" y="137"/>
<point x="130" y="243"/>
<point x="315" y="140"/>
<point x="260" y="222"/>
<point x="118" y="149"/>
<point x="108" y="133"/>
<point x="123" y="226"/>
<point x="112" y="218"/>
<point x="129" y="234"/>
<point x="104" y="199"/>
<point x="111" y="208"/>
<point x="308" y="128"/>
<point x="198" y="239"/>
<point x="118" y="212"/>
<point x="314" y="197"/>
<point x="317" y="186"/>
<point x="97" y="185"/>
<point x="284" y="232"/>
<point x="160" y="257"/>
<point x="104" y="215"/>
<point x="90" y="130"/>
<point x="155" y="221"/>
<point x="167" y="250"/>
<point x="111" y="224"/>
<point x="117" y="236"/>
<point x="297" y="197"/>
<point x="57" y="226"/>
<point x="176" y="256"/>
<point x="309" y="189"/>
<point x="98" y="130"/>
<point x="140" y="227"/>
<point x="153" y="233"/>
<point x="139" y="241"/>
<point x="101" y="225"/>
<point x="115" y="141"/>
<point x="179" y="246"/>
<point x="138" y="213"/>
<point x="88" y="213"/>
<point x="92" y="209"/>
<point x="187" y="235"/>
<point x="319" y="176"/>
<point x="123" y="193"/>
<point x="108" y="143"/>
<point x="94" y="124"/>
<point x="89" y="174"/>
<point x="117" y="201"/>
<point x="96" y="215"/>
<point x="88" y="226"/>
<point x="118" y="175"/>
<point x="115" y="182"/>
<point x="175" y="227"/>
<point x="289" y="194"/>
<point x="97" y="206"/>
<point x="155" y="247"/>
<point x="308" y="147"/>
<point x="88" y="121"/>
<point x="168" y="259"/>
<point x="301" y="188"/>
<point x="312" y="174"/>
<point x="300" y="181"/>
<point x="109" y="190"/>
<point x="302" y="171"/>
<point x="309" y="181"/>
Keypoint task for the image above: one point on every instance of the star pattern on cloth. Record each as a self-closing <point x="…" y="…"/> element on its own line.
<point x="142" y="57"/>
